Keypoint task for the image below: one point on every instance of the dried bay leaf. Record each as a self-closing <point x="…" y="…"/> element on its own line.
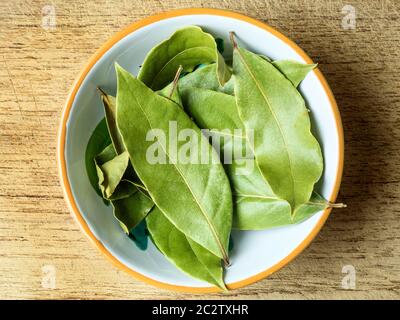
<point x="188" y="47"/>
<point x="130" y="211"/>
<point x="206" y="78"/>
<point x="186" y="254"/>
<point x="110" y="173"/>
<point x="217" y="112"/>
<point x="287" y="153"/>
<point x="256" y="207"/>
<point x="208" y="262"/>
<point x="293" y="70"/>
<point x="110" y="110"/>
<point x="99" y="140"/>
<point x="196" y="198"/>
<point x="130" y="204"/>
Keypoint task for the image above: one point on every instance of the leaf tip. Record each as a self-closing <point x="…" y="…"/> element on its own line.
<point x="119" y="70"/>
<point x="102" y="92"/>
<point x="117" y="65"/>
<point x="232" y="38"/>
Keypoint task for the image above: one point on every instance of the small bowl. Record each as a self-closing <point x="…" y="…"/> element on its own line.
<point x="256" y="254"/>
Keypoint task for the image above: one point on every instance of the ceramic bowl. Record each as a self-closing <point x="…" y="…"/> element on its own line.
<point x="256" y="254"/>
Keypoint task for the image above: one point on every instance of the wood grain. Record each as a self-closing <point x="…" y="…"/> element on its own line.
<point x="38" y="67"/>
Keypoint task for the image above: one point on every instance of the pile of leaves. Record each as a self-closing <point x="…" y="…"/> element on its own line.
<point x="190" y="209"/>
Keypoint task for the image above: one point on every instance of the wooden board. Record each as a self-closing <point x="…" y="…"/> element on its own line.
<point x="37" y="69"/>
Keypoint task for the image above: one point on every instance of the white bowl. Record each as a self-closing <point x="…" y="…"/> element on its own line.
<point x="256" y="254"/>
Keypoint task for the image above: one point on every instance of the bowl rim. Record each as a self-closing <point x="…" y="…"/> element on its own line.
<point x="63" y="169"/>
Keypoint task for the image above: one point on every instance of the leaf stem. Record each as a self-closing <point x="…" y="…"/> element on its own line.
<point x="104" y="95"/>
<point x="175" y="82"/>
<point x="232" y="37"/>
<point x="336" y="205"/>
<point x="329" y="204"/>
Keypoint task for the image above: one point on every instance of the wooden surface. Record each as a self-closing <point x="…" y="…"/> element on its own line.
<point x="37" y="69"/>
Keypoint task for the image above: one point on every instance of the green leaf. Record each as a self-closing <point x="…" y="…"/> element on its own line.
<point x="118" y="174"/>
<point x="188" y="47"/>
<point x="206" y="78"/>
<point x="314" y="205"/>
<point x="293" y="70"/>
<point x="99" y="140"/>
<point x="287" y="153"/>
<point x="196" y="198"/>
<point x="256" y="207"/>
<point x="130" y="203"/>
<point x="110" y="174"/>
<point x="184" y="253"/>
<point x="132" y="210"/>
<point x="110" y="110"/>
<point x="211" y="109"/>
<point x="217" y="112"/>
<point x="107" y="154"/>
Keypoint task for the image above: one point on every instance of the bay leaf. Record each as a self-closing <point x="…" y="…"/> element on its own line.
<point x="211" y="109"/>
<point x="314" y="205"/>
<point x="99" y="140"/>
<point x="113" y="175"/>
<point x="217" y="112"/>
<point x="116" y="177"/>
<point x="110" y="109"/>
<point x="256" y="207"/>
<point x="107" y="154"/>
<point x="293" y="70"/>
<point x="196" y="198"/>
<point x="130" y="203"/>
<point x="110" y="173"/>
<point x="118" y="173"/>
<point x="206" y="78"/>
<point x="189" y="47"/>
<point x="184" y="253"/>
<point x="130" y="211"/>
<point x="287" y="153"/>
